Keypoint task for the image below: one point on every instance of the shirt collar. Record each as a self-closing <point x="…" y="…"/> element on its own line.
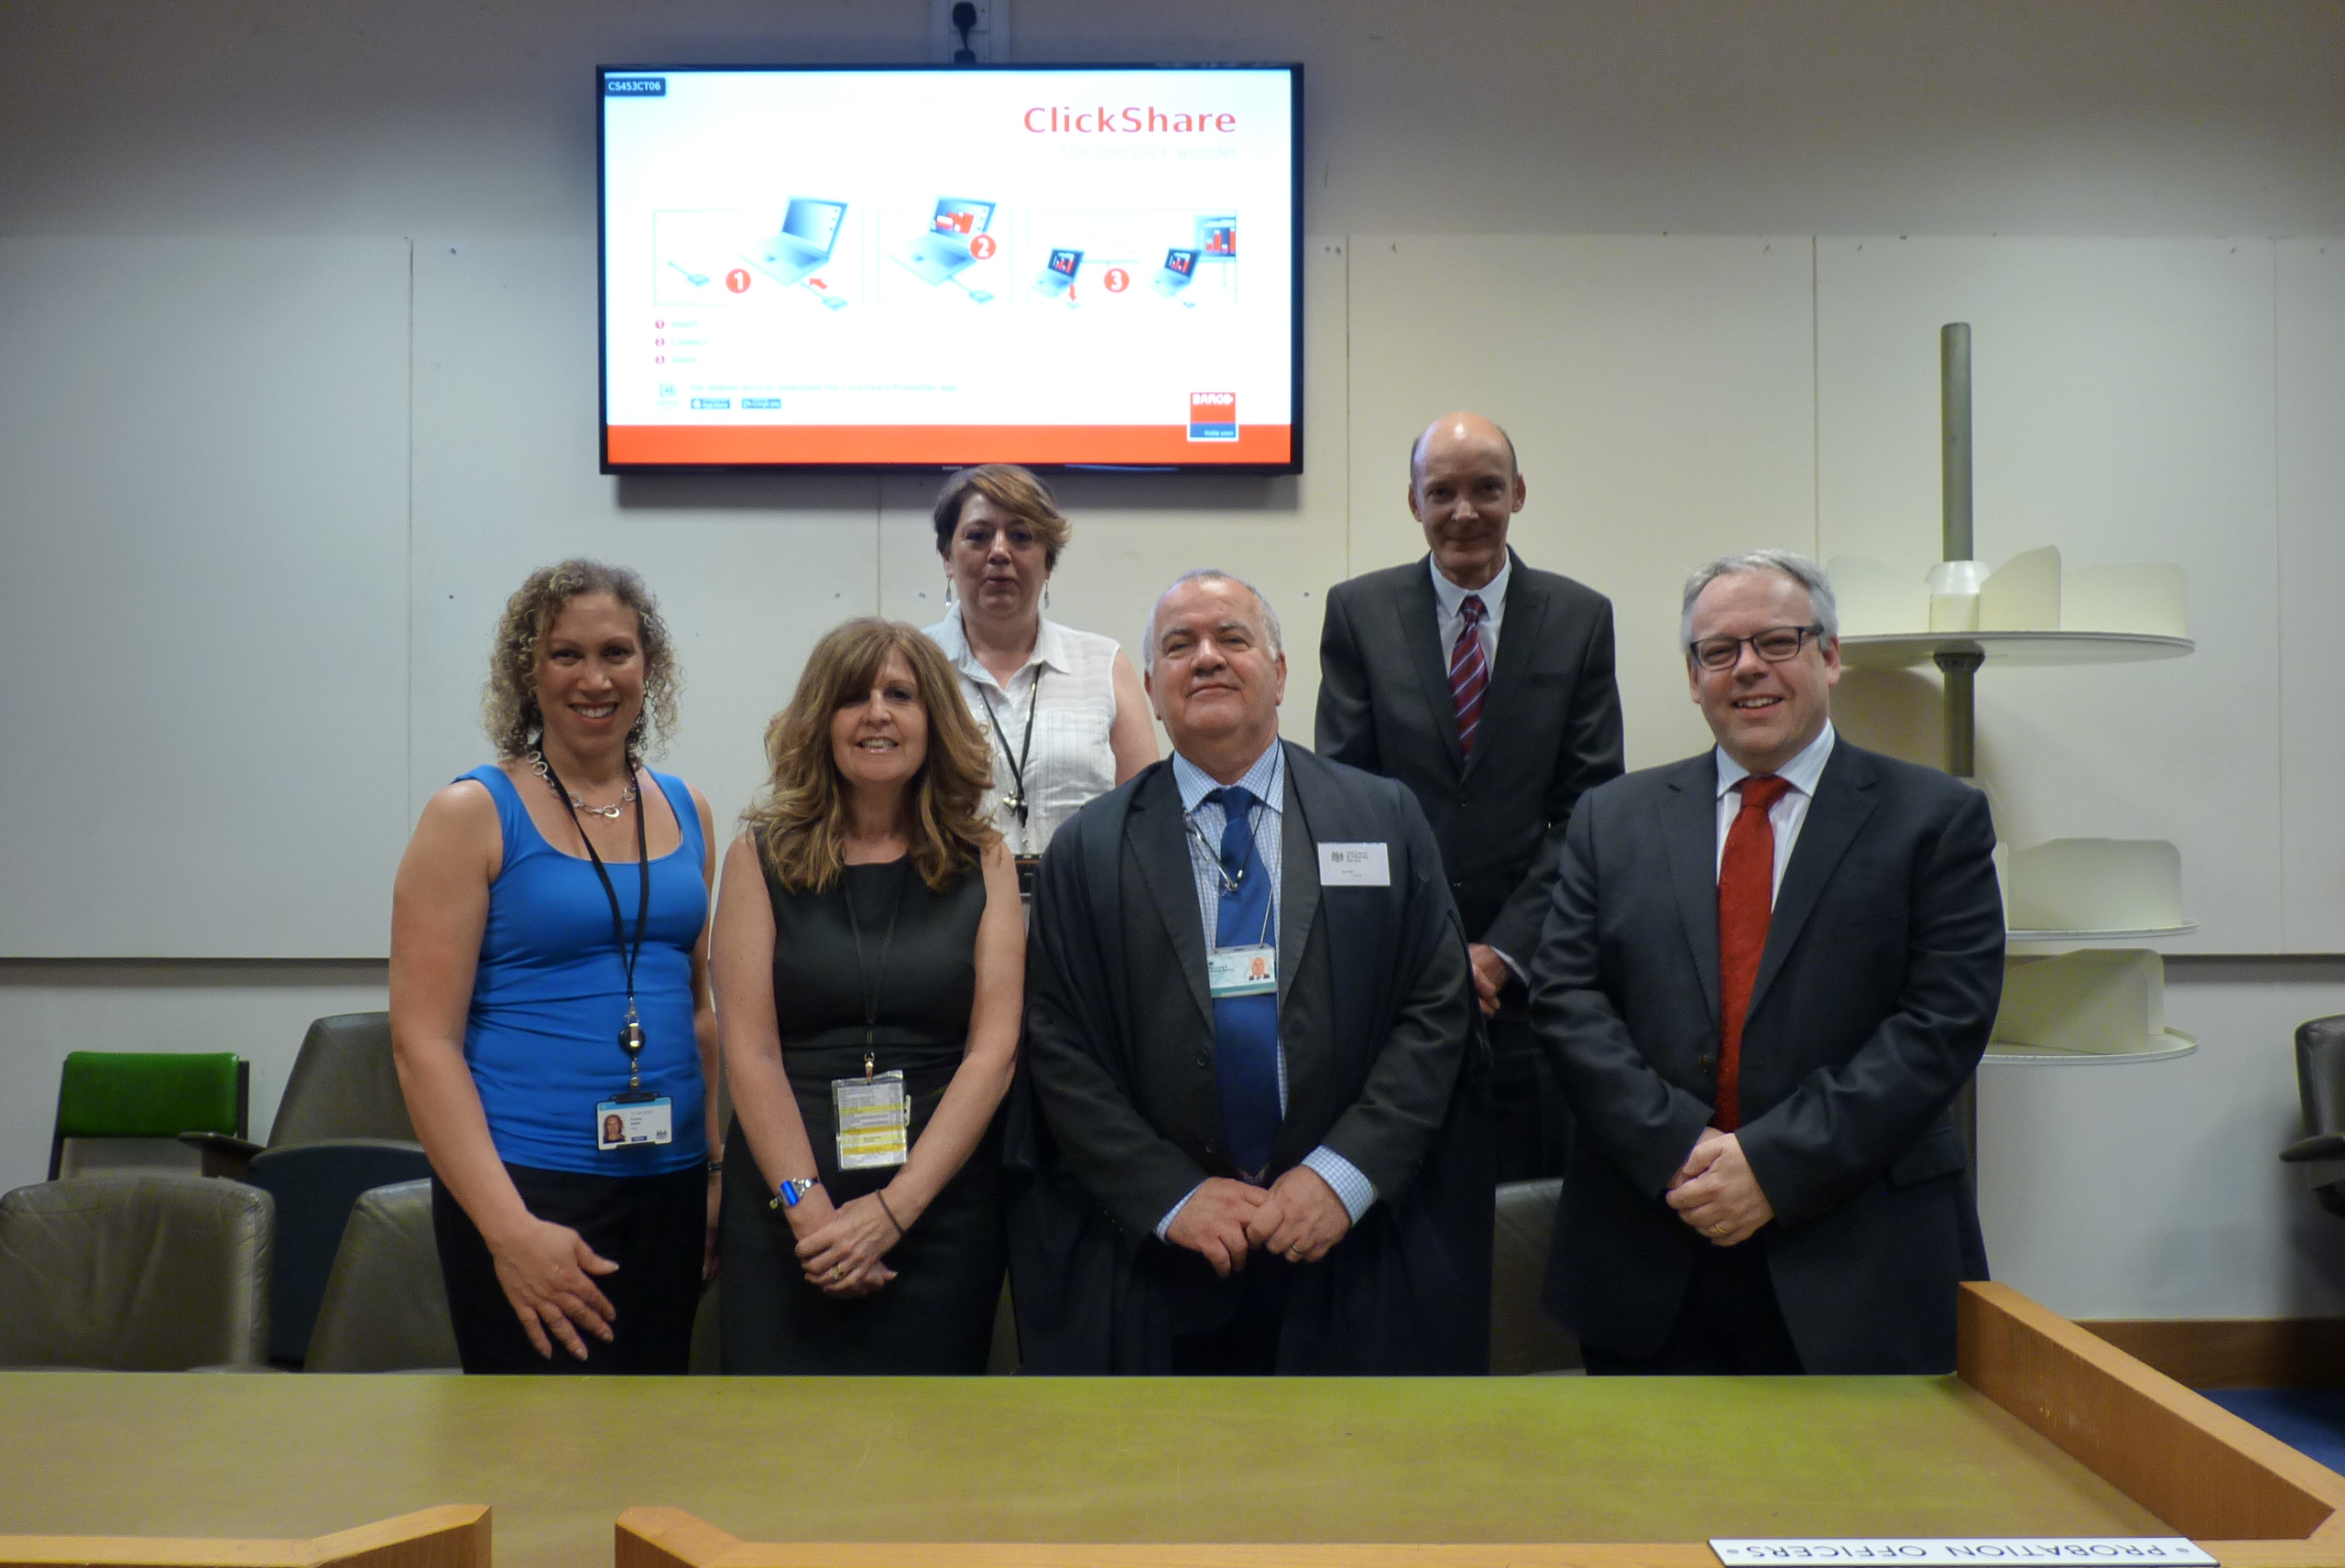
<point x="1450" y="596"/>
<point x="1266" y="779"/>
<point x="1802" y="771"/>
<point x="1050" y="646"/>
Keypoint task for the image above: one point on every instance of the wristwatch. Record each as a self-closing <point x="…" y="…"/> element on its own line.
<point x="788" y="1194"/>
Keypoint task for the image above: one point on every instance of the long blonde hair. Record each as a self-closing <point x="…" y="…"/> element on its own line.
<point x="800" y="819"/>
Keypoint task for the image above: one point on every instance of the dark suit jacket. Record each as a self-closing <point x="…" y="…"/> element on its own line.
<point x="1376" y="1018"/>
<point x="1551" y="729"/>
<point x="1875" y="997"/>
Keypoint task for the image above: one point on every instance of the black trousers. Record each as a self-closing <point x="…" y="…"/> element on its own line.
<point x="1532" y="1120"/>
<point x="653" y="1227"/>
<point x="1728" y="1324"/>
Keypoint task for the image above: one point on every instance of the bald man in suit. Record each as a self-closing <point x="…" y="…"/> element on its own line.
<point x="1486" y="687"/>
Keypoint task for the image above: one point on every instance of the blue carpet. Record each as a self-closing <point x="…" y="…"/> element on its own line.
<point x="2310" y="1421"/>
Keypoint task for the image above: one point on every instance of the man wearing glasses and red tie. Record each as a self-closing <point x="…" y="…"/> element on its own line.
<point x="1767" y="972"/>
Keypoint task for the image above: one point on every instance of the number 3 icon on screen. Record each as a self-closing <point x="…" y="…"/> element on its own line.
<point x="1117" y="280"/>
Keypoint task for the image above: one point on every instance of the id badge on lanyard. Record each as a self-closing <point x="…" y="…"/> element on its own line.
<point x="872" y="1114"/>
<point x="874" y="1117"/>
<point x="635" y="1115"/>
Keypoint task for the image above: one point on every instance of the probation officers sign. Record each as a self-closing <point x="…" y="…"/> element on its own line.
<point x="1996" y="1551"/>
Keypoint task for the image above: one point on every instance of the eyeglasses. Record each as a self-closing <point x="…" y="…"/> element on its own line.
<point x="1776" y="645"/>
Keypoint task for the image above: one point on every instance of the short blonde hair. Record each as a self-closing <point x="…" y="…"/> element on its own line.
<point x="799" y="821"/>
<point x="1016" y="492"/>
<point x="509" y="702"/>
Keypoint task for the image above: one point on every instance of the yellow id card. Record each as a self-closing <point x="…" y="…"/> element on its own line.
<point x="874" y="1121"/>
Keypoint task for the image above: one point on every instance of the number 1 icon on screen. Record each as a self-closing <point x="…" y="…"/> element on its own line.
<point x="738" y="281"/>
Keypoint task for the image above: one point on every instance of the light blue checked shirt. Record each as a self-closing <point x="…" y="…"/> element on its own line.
<point x="1267" y="782"/>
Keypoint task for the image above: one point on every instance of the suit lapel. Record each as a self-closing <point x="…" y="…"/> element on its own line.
<point x="1418" y="616"/>
<point x="1158" y="834"/>
<point x="1298" y="885"/>
<point x="1689" y="836"/>
<point x="1519" y="633"/>
<point x="1844" y="799"/>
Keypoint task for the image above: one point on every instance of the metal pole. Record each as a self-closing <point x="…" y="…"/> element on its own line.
<point x="1954" y="420"/>
<point x="1958" y="666"/>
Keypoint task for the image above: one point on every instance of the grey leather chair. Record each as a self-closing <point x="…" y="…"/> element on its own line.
<point x="344" y="1084"/>
<point x="2320" y="1090"/>
<point x="135" y="1271"/>
<point x="1523" y="1338"/>
<point x="384" y="1307"/>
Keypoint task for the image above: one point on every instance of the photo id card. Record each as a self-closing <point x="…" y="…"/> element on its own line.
<point x="874" y="1119"/>
<point x="623" y="1124"/>
<point x="1242" y="971"/>
<point x="1355" y="866"/>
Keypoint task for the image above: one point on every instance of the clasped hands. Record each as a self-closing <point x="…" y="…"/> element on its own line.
<point x="841" y="1248"/>
<point x="1715" y="1193"/>
<point x="1297" y="1217"/>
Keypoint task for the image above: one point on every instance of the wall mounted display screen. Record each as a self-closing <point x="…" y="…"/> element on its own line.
<point x="906" y="267"/>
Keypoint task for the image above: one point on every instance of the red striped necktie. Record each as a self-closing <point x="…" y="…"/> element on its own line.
<point x="1469" y="671"/>
<point x="1746" y="907"/>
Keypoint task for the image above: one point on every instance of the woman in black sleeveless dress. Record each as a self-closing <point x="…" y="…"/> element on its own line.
<point x="869" y="926"/>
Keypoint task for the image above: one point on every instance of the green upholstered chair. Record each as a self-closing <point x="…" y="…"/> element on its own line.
<point x="385" y="1309"/>
<point x="118" y="1109"/>
<point x="135" y="1271"/>
<point x="1523" y="1338"/>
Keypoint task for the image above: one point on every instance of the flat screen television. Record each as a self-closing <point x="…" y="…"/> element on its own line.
<point x="916" y="267"/>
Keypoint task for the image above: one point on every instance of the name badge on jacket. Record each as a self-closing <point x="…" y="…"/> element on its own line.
<point x="1355" y="866"/>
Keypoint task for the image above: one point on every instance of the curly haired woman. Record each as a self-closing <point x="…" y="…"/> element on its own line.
<point x="549" y="1001"/>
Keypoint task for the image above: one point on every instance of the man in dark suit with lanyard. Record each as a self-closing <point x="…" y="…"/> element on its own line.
<point x="1768" y="971"/>
<point x="1248" y="1013"/>
<point x="1487" y="688"/>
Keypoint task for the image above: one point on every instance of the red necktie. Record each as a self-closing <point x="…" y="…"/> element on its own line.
<point x="1470" y="672"/>
<point x="1746" y="902"/>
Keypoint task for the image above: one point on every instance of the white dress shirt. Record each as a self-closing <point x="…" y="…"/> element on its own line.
<point x="1267" y="780"/>
<point x="1448" y="600"/>
<point x="1068" y="762"/>
<point x="1789" y="813"/>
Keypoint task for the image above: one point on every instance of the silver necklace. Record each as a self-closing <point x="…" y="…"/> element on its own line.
<point x="626" y="797"/>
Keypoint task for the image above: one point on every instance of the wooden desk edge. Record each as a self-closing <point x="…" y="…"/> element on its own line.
<point x="2203" y="1470"/>
<point x="455" y="1535"/>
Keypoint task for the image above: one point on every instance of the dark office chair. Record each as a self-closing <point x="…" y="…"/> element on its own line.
<point x="2320" y="1090"/>
<point x="154" y="1110"/>
<point x="135" y="1271"/>
<point x="315" y="1186"/>
<point x="1523" y="1338"/>
<point x="384" y="1307"/>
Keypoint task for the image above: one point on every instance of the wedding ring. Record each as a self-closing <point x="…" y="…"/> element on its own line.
<point x="837" y="1269"/>
<point x="1719" y="1229"/>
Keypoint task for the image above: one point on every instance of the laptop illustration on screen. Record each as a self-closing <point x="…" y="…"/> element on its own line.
<point x="1179" y="271"/>
<point x="945" y="248"/>
<point x="809" y="230"/>
<point x="1059" y="276"/>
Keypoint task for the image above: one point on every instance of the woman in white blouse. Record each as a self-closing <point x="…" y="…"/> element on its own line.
<point x="1062" y="709"/>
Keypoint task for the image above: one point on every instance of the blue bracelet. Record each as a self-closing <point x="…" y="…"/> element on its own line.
<point x="787" y="1195"/>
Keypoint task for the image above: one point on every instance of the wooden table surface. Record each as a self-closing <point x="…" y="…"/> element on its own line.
<point x="1495" y="1460"/>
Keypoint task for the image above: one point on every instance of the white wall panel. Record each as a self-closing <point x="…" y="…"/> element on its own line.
<point x="749" y="572"/>
<point x="2123" y="409"/>
<point x="2311" y="333"/>
<point x="204" y="512"/>
<point x="1659" y="394"/>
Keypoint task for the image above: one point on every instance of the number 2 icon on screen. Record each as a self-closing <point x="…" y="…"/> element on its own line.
<point x="738" y="281"/>
<point x="1117" y="280"/>
<point x="982" y="246"/>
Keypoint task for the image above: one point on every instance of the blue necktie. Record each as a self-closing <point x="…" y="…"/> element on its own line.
<point x="1246" y="1028"/>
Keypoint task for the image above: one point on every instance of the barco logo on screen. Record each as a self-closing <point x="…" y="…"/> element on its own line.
<point x="1130" y="120"/>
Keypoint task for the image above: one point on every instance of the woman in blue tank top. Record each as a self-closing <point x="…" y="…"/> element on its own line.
<point x="549" y="1002"/>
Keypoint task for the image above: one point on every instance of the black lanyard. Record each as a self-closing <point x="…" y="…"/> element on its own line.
<point x="631" y="1036"/>
<point x="1016" y="802"/>
<point x="870" y="993"/>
